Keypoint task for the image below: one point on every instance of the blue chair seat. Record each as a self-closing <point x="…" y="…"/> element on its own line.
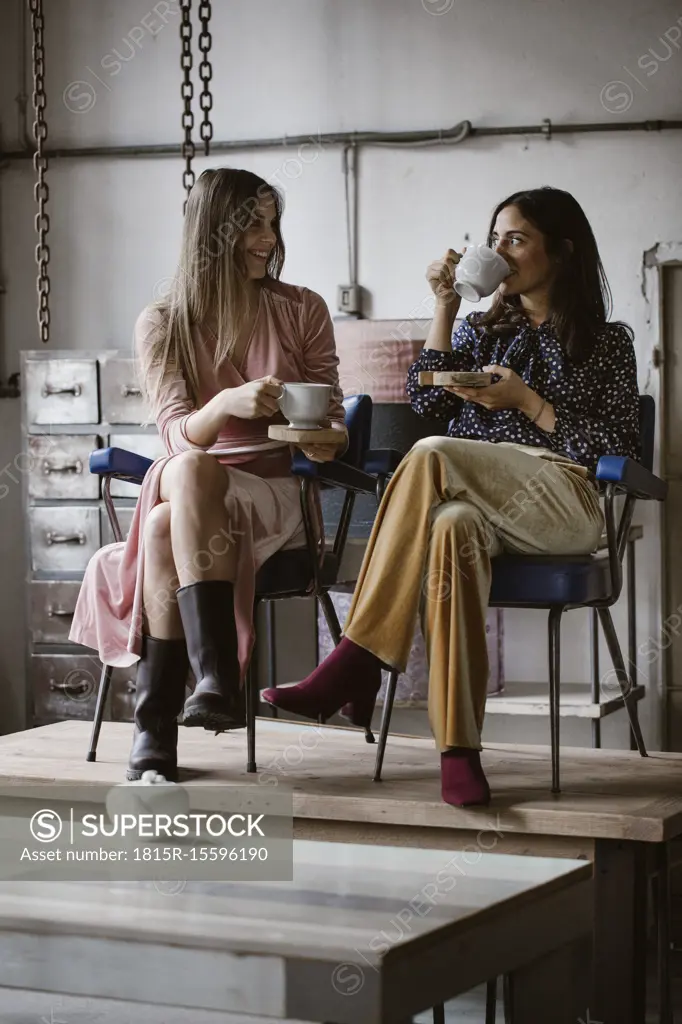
<point x="288" y="572"/>
<point x="118" y="462"/>
<point x="542" y="581"/>
<point x="382" y="461"/>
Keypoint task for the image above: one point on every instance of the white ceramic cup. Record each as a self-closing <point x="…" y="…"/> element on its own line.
<point x="305" y="405"/>
<point x="479" y="272"/>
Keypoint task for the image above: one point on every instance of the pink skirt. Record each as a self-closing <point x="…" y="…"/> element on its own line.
<point x="264" y="516"/>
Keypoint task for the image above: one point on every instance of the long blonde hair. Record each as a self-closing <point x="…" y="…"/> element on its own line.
<point x="209" y="286"/>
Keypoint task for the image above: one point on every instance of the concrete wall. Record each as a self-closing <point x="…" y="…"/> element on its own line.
<point x="113" y="76"/>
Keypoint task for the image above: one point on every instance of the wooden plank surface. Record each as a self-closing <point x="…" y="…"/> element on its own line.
<point x="342" y="897"/>
<point x="533" y="699"/>
<point x="606" y="794"/>
<point x="298" y="435"/>
<point x="409" y="926"/>
<point x="463" y="379"/>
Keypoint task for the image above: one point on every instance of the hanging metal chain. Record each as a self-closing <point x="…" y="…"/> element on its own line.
<point x="41" y="191"/>
<point x="206" y="73"/>
<point x="187" y="93"/>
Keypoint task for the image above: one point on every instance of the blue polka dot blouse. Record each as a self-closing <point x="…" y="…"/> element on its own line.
<point x="596" y="403"/>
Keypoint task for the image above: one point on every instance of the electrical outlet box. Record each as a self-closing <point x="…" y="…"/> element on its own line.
<point x="348" y="298"/>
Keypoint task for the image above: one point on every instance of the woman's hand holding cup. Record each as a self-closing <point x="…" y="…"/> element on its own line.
<point x="254" y="400"/>
<point x="441" y="277"/>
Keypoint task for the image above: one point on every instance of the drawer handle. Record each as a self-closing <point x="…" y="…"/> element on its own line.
<point x="76" y="390"/>
<point x="127" y="391"/>
<point x="65" y="613"/>
<point x="67" y="467"/>
<point x="65" y="538"/>
<point x="70" y="686"/>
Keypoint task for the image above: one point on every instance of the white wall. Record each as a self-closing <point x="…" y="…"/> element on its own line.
<point x="324" y="65"/>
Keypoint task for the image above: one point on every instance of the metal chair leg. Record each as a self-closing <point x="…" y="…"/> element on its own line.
<point x="271" y="667"/>
<point x="596" y="696"/>
<point x="331" y="617"/>
<point x="624" y="680"/>
<point x="251" y="683"/>
<point x="102" y="694"/>
<point x="334" y="627"/>
<point x="385" y="722"/>
<point x="439" y="1014"/>
<point x="491" y="1001"/>
<point x="554" y="629"/>
<point x="632" y="622"/>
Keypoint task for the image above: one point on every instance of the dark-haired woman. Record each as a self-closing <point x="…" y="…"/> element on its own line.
<point x="515" y="474"/>
<point x="180" y="591"/>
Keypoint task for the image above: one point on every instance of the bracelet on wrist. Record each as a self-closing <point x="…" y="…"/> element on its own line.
<point x="540" y="411"/>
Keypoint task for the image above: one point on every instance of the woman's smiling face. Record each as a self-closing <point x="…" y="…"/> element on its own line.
<point x="259" y="239"/>
<point x="523" y="247"/>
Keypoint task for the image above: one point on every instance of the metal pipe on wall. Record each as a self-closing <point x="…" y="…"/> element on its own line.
<point x="431" y="137"/>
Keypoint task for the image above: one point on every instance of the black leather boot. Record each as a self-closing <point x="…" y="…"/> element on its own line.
<point x="207" y="612"/>
<point x="160" y="693"/>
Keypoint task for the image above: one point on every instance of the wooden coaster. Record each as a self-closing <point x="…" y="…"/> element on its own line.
<point x="463" y="379"/>
<point x="323" y="435"/>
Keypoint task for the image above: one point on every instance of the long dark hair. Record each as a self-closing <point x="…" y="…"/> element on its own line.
<point x="580" y="299"/>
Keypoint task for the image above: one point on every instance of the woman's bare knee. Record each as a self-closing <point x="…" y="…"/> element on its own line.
<point x="160" y="574"/>
<point x="194" y="472"/>
<point x="157" y="535"/>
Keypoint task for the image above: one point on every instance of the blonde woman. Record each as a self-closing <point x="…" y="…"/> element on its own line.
<point x="179" y="592"/>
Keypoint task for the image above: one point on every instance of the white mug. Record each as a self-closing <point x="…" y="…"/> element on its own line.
<point x="479" y="272"/>
<point x="305" y="405"/>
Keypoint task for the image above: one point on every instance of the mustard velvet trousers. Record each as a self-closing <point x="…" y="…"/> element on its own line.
<point x="450" y="507"/>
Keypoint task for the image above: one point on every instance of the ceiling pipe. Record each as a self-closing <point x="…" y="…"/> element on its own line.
<point x="433" y="137"/>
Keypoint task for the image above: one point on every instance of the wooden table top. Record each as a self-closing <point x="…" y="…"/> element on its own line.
<point x="343" y="895"/>
<point x="382" y="927"/>
<point x="605" y="793"/>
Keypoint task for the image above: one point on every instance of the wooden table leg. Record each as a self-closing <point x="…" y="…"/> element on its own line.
<point x="554" y="988"/>
<point x="619" y="962"/>
<point x="665" y="1008"/>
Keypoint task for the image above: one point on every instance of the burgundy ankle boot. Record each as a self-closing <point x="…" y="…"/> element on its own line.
<point x="463" y="782"/>
<point x="350" y="675"/>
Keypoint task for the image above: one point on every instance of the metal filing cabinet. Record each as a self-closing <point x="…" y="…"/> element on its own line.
<point x="73" y="402"/>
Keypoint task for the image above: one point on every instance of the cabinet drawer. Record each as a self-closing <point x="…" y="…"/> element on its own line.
<point x="149" y="445"/>
<point x="53" y="603"/>
<point x="125" y="518"/>
<point x="59" y="466"/>
<point x="123" y="693"/>
<point x="61" y="391"/>
<point x="63" y="538"/>
<point x="122" y="400"/>
<point x="64" y="686"/>
<point x="122" y="703"/>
